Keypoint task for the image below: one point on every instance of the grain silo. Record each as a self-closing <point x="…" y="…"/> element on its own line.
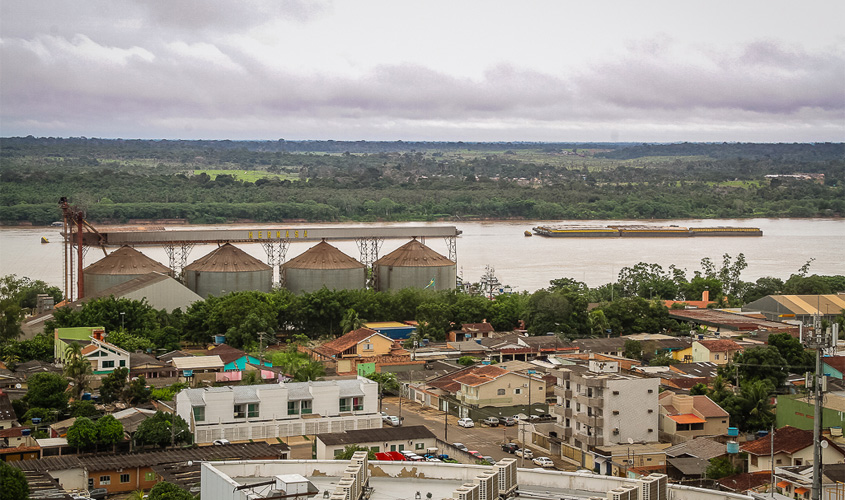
<point x="322" y="265"/>
<point x="227" y="269"/>
<point x="120" y="266"/>
<point x="414" y="265"/>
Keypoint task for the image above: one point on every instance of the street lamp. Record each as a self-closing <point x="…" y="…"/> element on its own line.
<point x="122" y="318"/>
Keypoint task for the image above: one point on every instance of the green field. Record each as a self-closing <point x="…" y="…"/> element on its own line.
<point x="246" y="175"/>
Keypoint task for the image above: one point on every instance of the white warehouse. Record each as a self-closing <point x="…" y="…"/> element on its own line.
<point x="240" y="413"/>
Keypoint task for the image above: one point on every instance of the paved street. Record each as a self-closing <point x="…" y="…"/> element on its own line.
<point x="487" y="440"/>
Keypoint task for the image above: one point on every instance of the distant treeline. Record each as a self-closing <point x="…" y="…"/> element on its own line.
<point x="121" y="180"/>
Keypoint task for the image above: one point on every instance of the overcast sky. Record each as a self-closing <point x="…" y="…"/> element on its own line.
<point x="765" y="71"/>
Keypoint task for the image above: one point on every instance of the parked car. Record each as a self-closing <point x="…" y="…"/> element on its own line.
<point x="460" y="446"/>
<point x="476" y="454"/>
<point x="489" y="459"/>
<point x="524" y="453"/>
<point x="98" y="493"/>
<point x="544" y="462"/>
<point x="510" y="447"/>
<point x="508" y="421"/>
<point x="393" y="420"/>
<point x="491" y="421"/>
<point x="433" y="459"/>
<point x="221" y="442"/>
<point x="466" y="422"/>
<point x="384" y="415"/>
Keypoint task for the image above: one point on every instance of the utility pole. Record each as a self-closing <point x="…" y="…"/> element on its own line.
<point x="819" y="340"/>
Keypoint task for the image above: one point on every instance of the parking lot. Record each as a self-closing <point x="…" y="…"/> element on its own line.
<point x="481" y="438"/>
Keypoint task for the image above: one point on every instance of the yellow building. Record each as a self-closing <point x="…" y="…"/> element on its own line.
<point x="360" y="343"/>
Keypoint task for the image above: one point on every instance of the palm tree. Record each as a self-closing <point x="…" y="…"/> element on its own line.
<point x="351" y="321"/>
<point x="136" y="495"/>
<point x="77" y="369"/>
<point x="311" y="370"/>
<point x="250" y="378"/>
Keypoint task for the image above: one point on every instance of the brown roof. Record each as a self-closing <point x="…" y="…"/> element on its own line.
<point x="227" y="353"/>
<point x="474" y="375"/>
<point x="707" y="407"/>
<point x="721" y="345"/>
<point x="837" y="362"/>
<point x="322" y="256"/>
<point x="227" y="259"/>
<point x="414" y="254"/>
<point x="787" y="439"/>
<point x="126" y="260"/>
<point x="741" y="483"/>
<point x="477" y="327"/>
<point x="376" y="435"/>
<point x="345" y="341"/>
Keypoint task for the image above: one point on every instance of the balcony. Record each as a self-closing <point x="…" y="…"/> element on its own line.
<point x="563" y="392"/>
<point x="590" y="440"/>
<point x="594" y="401"/>
<point x="590" y="420"/>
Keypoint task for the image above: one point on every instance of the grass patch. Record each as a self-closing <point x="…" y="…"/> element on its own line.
<point x="245" y="175"/>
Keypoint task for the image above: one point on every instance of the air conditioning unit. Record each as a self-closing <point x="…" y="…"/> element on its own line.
<point x="506" y="468"/>
<point x="653" y="487"/>
<point x="348" y="487"/>
<point x="616" y="430"/>
<point x="488" y="485"/>
<point x="624" y="492"/>
<point x="466" y="492"/>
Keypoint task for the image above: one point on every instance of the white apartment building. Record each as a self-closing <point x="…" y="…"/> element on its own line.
<point x="598" y="406"/>
<point x="239" y="413"/>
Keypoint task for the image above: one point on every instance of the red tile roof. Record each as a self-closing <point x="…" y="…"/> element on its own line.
<point x="787" y="439"/>
<point x="12" y="432"/>
<point x="227" y="353"/>
<point x="474" y="375"/>
<point x="721" y="345"/>
<point x="740" y="483"/>
<point x="707" y="407"/>
<point x="345" y="341"/>
<point x="477" y="327"/>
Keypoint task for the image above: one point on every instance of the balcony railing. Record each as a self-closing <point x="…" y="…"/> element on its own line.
<point x="563" y="392"/>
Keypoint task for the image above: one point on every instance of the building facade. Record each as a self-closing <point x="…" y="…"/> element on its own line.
<point x="598" y="406"/>
<point x="242" y="413"/>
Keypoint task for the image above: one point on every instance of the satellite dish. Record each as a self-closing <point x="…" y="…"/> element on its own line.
<point x="630" y="440"/>
<point x="824" y="444"/>
<point x="18" y="386"/>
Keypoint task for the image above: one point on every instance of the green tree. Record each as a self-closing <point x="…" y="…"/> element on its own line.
<point x="698" y="389"/>
<point x="82" y="434"/>
<point x="467" y="361"/>
<point x="109" y="431"/>
<point x="77" y="368"/>
<point x="311" y="370"/>
<point x="434" y="319"/>
<point x="387" y="382"/>
<point x="156" y="430"/>
<point x="351" y="321"/>
<point x="137" y="391"/>
<point x="798" y="358"/>
<point x="251" y="378"/>
<point x="757" y="363"/>
<point x="83" y="409"/>
<point x="13" y="483"/>
<point x="662" y="360"/>
<point x="113" y="386"/>
<point x="351" y="449"/>
<point x="633" y="349"/>
<point x="47" y="390"/>
<point x="168" y="491"/>
<point x="721" y="467"/>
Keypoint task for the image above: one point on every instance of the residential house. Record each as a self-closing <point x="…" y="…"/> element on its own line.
<point x="198" y="369"/>
<point x="14" y="437"/>
<point x="525" y="348"/>
<point x="627" y="460"/>
<point x="797" y="481"/>
<point x="685" y="417"/>
<point x="719" y="351"/>
<point x="63" y="337"/>
<point x="599" y="406"/>
<point x="363" y="342"/>
<point x="236" y="359"/>
<point x="105" y="357"/>
<point x="797" y="410"/>
<point x="700" y="447"/>
<point x="266" y="411"/>
<point x="792" y="446"/>
<point x="152" y="369"/>
<point x="415" y="438"/>
<point x="746" y="483"/>
<point x="471" y="331"/>
<point x="613" y="346"/>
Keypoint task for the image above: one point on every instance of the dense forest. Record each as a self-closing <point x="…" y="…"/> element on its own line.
<point x="273" y="181"/>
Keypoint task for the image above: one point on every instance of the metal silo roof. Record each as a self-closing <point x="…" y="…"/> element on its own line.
<point x="322" y="256"/>
<point x="414" y="254"/>
<point x="126" y="260"/>
<point x="226" y="259"/>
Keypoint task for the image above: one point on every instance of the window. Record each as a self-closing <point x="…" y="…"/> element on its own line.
<point x="338" y="452"/>
<point x="401" y="447"/>
<point x="368" y="347"/>
<point x="108" y="364"/>
<point x="651" y="430"/>
<point x="393" y="447"/>
<point x="293" y="407"/>
<point x="124" y="478"/>
<point x="252" y="410"/>
<point x="344" y="404"/>
<point x="374" y="449"/>
<point x="419" y="446"/>
<point x="358" y="404"/>
<point x="615" y="393"/>
<point x="105" y="480"/>
<point x="500" y="392"/>
<point x="199" y="413"/>
<point x="122" y="363"/>
<point x="717" y="357"/>
<point x="149" y="476"/>
<point x="240" y="411"/>
<point x="305" y="407"/>
<point x="518" y="390"/>
<point x="616" y="412"/>
<point x="650" y="410"/>
<point x="650" y="391"/>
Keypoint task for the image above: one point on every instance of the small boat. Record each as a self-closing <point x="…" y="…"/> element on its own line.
<point x="528" y="233"/>
<point x="44" y="239"/>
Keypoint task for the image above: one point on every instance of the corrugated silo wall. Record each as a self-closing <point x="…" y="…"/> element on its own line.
<point x="95" y="283"/>
<point x="310" y="280"/>
<point x="205" y="283"/>
<point x="399" y="277"/>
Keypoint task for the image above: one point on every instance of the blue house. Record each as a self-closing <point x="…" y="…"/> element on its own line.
<point x="235" y="360"/>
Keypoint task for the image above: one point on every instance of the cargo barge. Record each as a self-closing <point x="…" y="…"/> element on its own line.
<point x="637" y="231"/>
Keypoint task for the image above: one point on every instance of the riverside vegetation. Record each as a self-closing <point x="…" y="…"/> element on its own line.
<point x="274" y="181"/>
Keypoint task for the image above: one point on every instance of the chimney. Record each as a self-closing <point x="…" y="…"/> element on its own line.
<point x="705" y="296"/>
<point x="98" y="334"/>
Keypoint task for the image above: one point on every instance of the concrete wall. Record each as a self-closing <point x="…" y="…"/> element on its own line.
<point x="797" y="412"/>
<point x="216" y="484"/>
<point x="637" y="407"/>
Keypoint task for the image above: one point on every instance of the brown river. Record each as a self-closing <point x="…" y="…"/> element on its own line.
<point x="524" y="263"/>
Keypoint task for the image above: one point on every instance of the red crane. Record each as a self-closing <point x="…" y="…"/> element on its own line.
<point x="74" y="218"/>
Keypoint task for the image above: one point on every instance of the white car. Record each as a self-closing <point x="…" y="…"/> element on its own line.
<point x="524" y="453"/>
<point x="466" y="422"/>
<point x="544" y="462"/>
